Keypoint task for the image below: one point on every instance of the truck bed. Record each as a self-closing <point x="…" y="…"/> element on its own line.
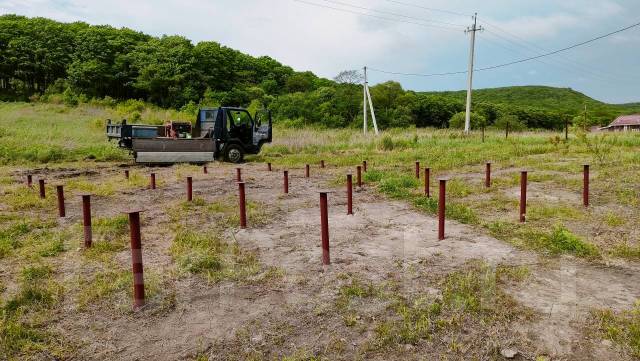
<point x="168" y="150"/>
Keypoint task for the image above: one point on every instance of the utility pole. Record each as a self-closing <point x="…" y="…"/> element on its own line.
<point x="367" y="96"/>
<point x="364" y="102"/>
<point x="472" y="30"/>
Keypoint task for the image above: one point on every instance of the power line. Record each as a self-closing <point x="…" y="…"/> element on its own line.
<point x="415" y="74"/>
<point x="428" y="8"/>
<point x="535" y="48"/>
<point x="558" y="64"/>
<point x="391" y="13"/>
<point x="375" y="16"/>
<point x="520" y="60"/>
<point x="560" y="50"/>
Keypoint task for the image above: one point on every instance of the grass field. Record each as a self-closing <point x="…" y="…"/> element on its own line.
<point x="42" y="265"/>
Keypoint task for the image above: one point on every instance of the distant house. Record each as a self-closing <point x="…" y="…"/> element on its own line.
<point x="624" y="123"/>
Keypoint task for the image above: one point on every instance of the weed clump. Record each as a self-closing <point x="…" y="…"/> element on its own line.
<point x="622" y="328"/>
<point x="209" y="255"/>
<point x="562" y="240"/>
<point x="558" y="241"/>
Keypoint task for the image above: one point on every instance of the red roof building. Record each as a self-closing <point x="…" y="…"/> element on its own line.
<point x="624" y="123"/>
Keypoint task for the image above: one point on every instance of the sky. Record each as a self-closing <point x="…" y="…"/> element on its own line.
<point x="402" y="36"/>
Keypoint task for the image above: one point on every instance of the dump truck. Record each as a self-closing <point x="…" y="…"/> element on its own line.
<point x="222" y="132"/>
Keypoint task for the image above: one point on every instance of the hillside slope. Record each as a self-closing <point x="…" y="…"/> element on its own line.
<point x="564" y="100"/>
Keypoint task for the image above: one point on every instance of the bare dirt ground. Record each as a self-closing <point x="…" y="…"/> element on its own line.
<point x="384" y="241"/>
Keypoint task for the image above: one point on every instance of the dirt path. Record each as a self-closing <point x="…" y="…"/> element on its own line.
<point x="381" y="241"/>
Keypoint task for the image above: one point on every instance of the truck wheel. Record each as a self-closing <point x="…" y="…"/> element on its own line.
<point x="233" y="153"/>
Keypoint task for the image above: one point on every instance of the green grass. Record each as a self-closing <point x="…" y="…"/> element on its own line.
<point x="23" y="315"/>
<point x="469" y="296"/>
<point x="622" y="328"/>
<point x="558" y="240"/>
<point x="209" y="255"/>
<point x="46" y="133"/>
<point x="15" y="233"/>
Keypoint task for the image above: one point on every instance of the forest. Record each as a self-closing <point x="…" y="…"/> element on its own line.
<point x="49" y="61"/>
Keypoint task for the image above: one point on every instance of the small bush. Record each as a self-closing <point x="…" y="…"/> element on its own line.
<point x="386" y="143"/>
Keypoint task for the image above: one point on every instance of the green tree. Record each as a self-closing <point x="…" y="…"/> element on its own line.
<point x="458" y="121"/>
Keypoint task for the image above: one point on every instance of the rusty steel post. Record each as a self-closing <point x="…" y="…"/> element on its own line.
<point x="61" y="210"/>
<point x="126" y="174"/>
<point x="189" y="189"/>
<point x="322" y="164"/>
<point x="585" y="189"/>
<point x="364" y="165"/>
<point x="324" y="225"/>
<point x="136" y="260"/>
<point x="153" y="181"/>
<point x="43" y="194"/>
<point x="523" y="196"/>
<point x="86" y="219"/>
<point x="427" y="182"/>
<point x="349" y="194"/>
<point x="238" y="174"/>
<point x="205" y="170"/>
<point x="442" y="208"/>
<point x="269" y="167"/>
<point x="306" y="171"/>
<point x="359" y="176"/>
<point x="29" y="180"/>
<point x="417" y="170"/>
<point x="286" y="182"/>
<point x="487" y="177"/>
<point x="243" y="205"/>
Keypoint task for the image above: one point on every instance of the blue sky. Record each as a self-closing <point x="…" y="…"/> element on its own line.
<point x="327" y="41"/>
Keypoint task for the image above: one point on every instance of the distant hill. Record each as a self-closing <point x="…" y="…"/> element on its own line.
<point x="562" y="100"/>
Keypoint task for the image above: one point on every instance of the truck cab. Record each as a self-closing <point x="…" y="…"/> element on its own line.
<point x="234" y="131"/>
<point x="219" y="132"/>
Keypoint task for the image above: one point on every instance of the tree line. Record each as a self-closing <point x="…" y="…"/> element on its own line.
<point x="42" y="59"/>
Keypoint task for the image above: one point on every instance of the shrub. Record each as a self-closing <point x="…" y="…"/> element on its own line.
<point x="458" y="121"/>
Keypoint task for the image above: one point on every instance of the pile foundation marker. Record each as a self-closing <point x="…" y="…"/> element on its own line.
<point x="322" y="164"/>
<point x="243" y="205"/>
<point x="136" y="260"/>
<point x="307" y="171"/>
<point x="189" y="189"/>
<point x="29" y="180"/>
<point x="523" y="196"/>
<point x="585" y="188"/>
<point x="349" y="194"/>
<point x="417" y="170"/>
<point x="324" y="228"/>
<point x="86" y="220"/>
<point x="359" y="176"/>
<point x="286" y="182"/>
<point x="442" y="208"/>
<point x="487" y="177"/>
<point x="269" y="167"/>
<point x="61" y="209"/>
<point x="427" y="182"/>
<point x="153" y="181"/>
<point x="364" y="165"/>
<point x="205" y="170"/>
<point x="43" y="194"/>
<point x="238" y="174"/>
